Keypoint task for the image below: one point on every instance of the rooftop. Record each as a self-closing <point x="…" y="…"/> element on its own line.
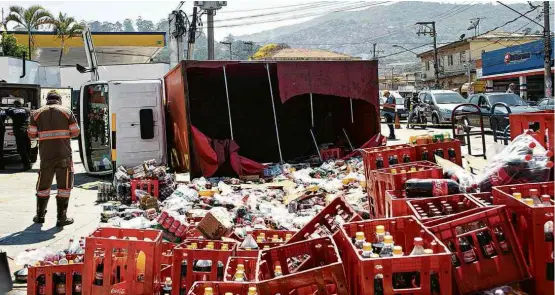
<point x="308" y="54"/>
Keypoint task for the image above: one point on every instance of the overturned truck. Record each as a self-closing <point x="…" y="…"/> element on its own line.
<point x="226" y="117"/>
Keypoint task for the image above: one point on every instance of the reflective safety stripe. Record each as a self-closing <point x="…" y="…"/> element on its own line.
<point x="43" y="193"/>
<point x="64" y="193"/>
<point x="53" y="134"/>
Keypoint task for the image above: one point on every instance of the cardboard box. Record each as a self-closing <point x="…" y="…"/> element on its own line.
<point x="212" y="228"/>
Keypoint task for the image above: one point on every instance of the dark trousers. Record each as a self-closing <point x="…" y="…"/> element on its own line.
<point x="2" y="133"/>
<point x="389" y="118"/>
<point x="23" y="146"/>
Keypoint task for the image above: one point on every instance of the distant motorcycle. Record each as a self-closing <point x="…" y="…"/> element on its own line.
<point x="419" y="117"/>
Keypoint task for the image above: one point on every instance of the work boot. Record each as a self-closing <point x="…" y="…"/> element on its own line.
<point x="62" y="204"/>
<point x="42" y="203"/>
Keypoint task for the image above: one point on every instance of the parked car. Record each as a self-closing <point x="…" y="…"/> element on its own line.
<point x="485" y="101"/>
<point x="440" y="105"/>
<point x="546" y="104"/>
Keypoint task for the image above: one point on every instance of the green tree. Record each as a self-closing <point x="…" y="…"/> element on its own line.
<point x="144" y="25"/>
<point x="128" y="25"/>
<point x="118" y="27"/>
<point x="30" y="19"/>
<point x="65" y="27"/>
<point x="9" y="46"/>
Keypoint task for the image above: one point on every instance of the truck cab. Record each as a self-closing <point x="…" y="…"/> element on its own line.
<point x="122" y="123"/>
<point x="29" y="95"/>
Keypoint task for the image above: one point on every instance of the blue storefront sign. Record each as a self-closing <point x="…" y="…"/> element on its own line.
<point x="528" y="56"/>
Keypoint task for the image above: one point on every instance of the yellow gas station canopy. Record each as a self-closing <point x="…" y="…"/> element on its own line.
<point x="111" y="47"/>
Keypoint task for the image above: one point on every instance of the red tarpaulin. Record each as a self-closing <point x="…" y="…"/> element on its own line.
<point x="213" y="154"/>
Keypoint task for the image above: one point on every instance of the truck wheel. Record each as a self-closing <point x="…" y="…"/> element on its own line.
<point x="34" y="154"/>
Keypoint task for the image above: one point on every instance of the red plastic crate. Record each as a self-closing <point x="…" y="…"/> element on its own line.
<point x="485" y="199"/>
<point x="220" y="288"/>
<point x="486" y="273"/>
<point x="370" y="155"/>
<point x="519" y="123"/>
<point x="123" y="245"/>
<point x="323" y="219"/>
<point x="452" y="200"/>
<point x="333" y="153"/>
<point x="444" y="146"/>
<point x="385" y="180"/>
<point x="249" y="263"/>
<point x="360" y="272"/>
<point x="148" y="185"/>
<point x="269" y="235"/>
<point x="48" y="273"/>
<point x="217" y="256"/>
<point x="307" y="267"/>
<point x="528" y="223"/>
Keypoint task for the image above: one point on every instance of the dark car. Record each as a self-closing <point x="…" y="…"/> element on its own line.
<point x="485" y="101"/>
<point x="546" y="104"/>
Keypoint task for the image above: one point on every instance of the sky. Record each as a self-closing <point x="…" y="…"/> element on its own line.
<point x="113" y="11"/>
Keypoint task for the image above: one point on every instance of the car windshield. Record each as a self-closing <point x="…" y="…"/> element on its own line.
<point x="508" y="98"/>
<point x="447" y="98"/>
<point x="400" y="101"/>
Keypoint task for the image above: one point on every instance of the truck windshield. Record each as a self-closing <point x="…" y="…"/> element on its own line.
<point x="510" y="99"/>
<point x="448" y="98"/>
<point x="400" y="101"/>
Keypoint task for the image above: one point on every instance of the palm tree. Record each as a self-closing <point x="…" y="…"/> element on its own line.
<point x="66" y="28"/>
<point x="29" y="19"/>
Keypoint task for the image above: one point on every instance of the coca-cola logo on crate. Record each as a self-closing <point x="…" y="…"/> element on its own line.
<point x="120" y="291"/>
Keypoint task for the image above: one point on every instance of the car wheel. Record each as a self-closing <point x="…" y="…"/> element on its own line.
<point x="435" y="121"/>
<point x="424" y="123"/>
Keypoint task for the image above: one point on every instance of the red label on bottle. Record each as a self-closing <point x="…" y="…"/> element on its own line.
<point x="61" y="288"/>
<point x="489" y="249"/>
<point x="469" y="256"/>
<point x="504" y="246"/>
<point x="439" y="188"/>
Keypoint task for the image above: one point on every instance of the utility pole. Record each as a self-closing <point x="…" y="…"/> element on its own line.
<point x="547" y="50"/>
<point x="429" y="28"/>
<point x="177" y="29"/>
<point x="230" y="53"/>
<point x="192" y="35"/>
<point x="250" y="44"/>
<point x="210" y="7"/>
<point x="392" y="78"/>
<point x="374" y="51"/>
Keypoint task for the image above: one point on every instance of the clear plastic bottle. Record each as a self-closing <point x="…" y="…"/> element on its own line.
<point x="534" y="195"/>
<point x="397" y="251"/>
<point x="239" y="276"/>
<point x="418" y="247"/>
<point x="367" y="250"/>
<point x="240" y="268"/>
<point x="546" y="200"/>
<point x="249" y="242"/>
<point x="378" y="239"/>
<point x="359" y="239"/>
<point x="387" y="250"/>
<point x="529" y="202"/>
<point x="277" y="271"/>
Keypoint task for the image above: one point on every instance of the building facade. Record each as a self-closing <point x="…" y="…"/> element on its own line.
<point x="521" y="65"/>
<point x="454" y="59"/>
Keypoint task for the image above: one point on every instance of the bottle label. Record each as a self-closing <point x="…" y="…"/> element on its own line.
<point x="99" y="276"/>
<point x="488" y="248"/>
<point x="61" y="288"/>
<point x="42" y="290"/>
<point x="439" y="188"/>
<point x="499" y="177"/>
<point x="78" y="287"/>
<point x="469" y="256"/>
<point x="504" y="246"/>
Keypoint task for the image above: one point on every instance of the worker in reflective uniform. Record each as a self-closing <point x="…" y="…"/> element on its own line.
<point x="2" y="134"/>
<point x="20" y="119"/>
<point x="54" y="126"/>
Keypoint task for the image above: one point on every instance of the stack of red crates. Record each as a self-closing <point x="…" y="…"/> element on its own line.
<point x="485" y="199"/>
<point x="475" y="271"/>
<point x="110" y="249"/>
<point x="531" y="224"/>
<point x="249" y="264"/>
<point x="220" y="288"/>
<point x="326" y="218"/>
<point x="468" y="202"/>
<point x="185" y="256"/>
<point x="543" y="120"/>
<point x="360" y="272"/>
<point x="393" y="203"/>
<point x="46" y="274"/>
<point x="432" y="148"/>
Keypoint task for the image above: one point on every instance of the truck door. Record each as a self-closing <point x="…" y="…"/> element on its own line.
<point x="137" y="110"/>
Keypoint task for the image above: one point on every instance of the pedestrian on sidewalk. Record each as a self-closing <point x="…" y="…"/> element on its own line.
<point x="20" y="119"/>
<point x="389" y="112"/>
<point x="54" y="126"/>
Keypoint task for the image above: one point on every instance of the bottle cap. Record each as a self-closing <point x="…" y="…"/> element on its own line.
<point x="208" y="291"/>
<point x="388" y="239"/>
<point x="517" y="196"/>
<point x="241" y="267"/>
<point x="275" y="237"/>
<point x="533" y="192"/>
<point x="532" y="145"/>
<point x="359" y="236"/>
<point x="418" y="241"/>
<point x="546" y="198"/>
<point x="412" y="169"/>
<point x="549" y="164"/>
<point x="260" y="239"/>
<point x="393" y="171"/>
<point x="228" y="293"/>
<point x="266" y="247"/>
<point x="367" y="247"/>
<point x="403" y="171"/>
<point x="252" y="290"/>
<point x="168" y="281"/>
<point x="397" y="250"/>
<point x="380" y="229"/>
<point x="374" y="255"/>
<point x="193" y="245"/>
<point x="529" y="202"/>
<point x="239" y="274"/>
<point x="528" y="157"/>
<point x="277" y="268"/>
<point x="263" y="235"/>
<point x="210" y="246"/>
<point x="549" y="154"/>
<point x="225" y="247"/>
<point x="287" y="237"/>
<point x="428" y="251"/>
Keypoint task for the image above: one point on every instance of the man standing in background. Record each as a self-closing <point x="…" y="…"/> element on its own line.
<point x="20" y="119"/>
<point x="389" y="113"/>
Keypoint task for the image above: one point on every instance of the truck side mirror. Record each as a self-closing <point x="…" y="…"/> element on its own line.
<point x="146" y="117"/>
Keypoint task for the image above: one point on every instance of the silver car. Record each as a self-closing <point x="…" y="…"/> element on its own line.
<point x="440" y="105"/>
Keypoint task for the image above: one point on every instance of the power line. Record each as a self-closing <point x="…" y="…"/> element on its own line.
<point x="273" y="7"/>
<point x="395" y="53"/>
<point x="306" y="8"/>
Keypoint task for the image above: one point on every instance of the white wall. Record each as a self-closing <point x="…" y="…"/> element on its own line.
<point x="11" y="70"/>
<point x="49" y="76"/>
<point x="70" y="77"/>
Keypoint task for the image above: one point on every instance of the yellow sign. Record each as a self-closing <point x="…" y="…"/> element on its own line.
<point x="50" y="40"/>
